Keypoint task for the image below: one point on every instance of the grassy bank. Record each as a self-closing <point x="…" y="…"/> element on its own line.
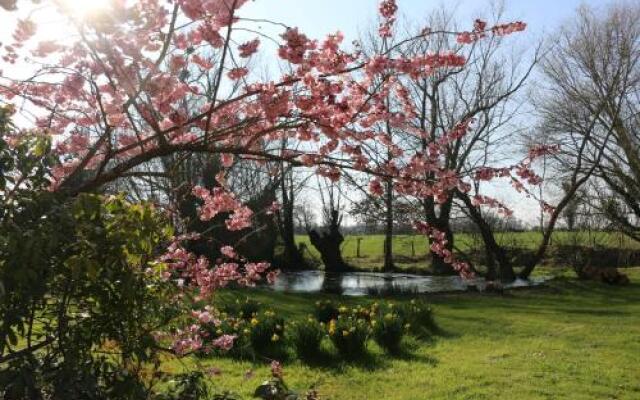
<point x="570" y="340"/>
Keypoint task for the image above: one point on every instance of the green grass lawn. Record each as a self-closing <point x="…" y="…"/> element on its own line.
<point x="569" y="340"/>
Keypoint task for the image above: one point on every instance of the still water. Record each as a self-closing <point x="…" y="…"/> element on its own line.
<point x="377" y="283"/>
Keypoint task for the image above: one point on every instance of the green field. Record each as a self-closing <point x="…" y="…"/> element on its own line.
<point x="570" y="340"/>
<point x="410" y="251"/>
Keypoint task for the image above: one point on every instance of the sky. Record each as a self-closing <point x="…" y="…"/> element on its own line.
<point x="320" y="17"/>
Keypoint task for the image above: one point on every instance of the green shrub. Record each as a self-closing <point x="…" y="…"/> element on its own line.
<point x="267" y="334"/>
<point x="349" y="335"/>
<point x="82" y="272"/>
<point x="325" y="311"/>
<point x="306" y="336"/>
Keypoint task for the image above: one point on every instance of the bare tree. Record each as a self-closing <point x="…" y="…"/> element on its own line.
<point x="589" y="107"/>
<point x="605" y="49"/>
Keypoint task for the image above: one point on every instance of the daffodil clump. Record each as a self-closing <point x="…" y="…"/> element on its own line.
<point x="325" y="311"/>
<point x="388" y="328"/>
<point x="267" y="334"/>
<point x="349" y="335"/>
<point x="306" y="336"/>
<point x="262" y="334"/>
<point x="245" y="309"/>
<point x="418" y="314"/>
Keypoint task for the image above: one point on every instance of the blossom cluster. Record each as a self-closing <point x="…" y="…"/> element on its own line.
<point x="480" y="31"/>
<point x="219" y="200"/>
<point x="387" y="10"/>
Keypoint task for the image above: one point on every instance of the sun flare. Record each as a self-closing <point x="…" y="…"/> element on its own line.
<point x="84" y="8"/>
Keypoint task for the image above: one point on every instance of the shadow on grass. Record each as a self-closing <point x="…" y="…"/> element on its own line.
<point x="330" y="361"/>
<point x="409" y="352"/>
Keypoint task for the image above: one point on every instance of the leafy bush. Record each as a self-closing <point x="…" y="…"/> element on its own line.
<point x="306" y="336"/>
<point x="267" y="334"/>
<point x="349" y="335"/>
<point x="325" y="311"/>
<point x="82" y="273"/>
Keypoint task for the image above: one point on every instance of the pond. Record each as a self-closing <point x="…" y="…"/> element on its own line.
<point x="378" y="283"/>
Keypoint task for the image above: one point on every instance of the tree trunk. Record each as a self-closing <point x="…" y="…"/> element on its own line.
<point x="388" y="232"/>
<point x="495" y="252"/>
<point x="438" y="264"/>
<point x="441" y="223"/>
<point x="292" y="258"/>
<point x="328" y="245"/>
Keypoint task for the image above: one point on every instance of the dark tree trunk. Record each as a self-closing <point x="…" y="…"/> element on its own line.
<point x="441" y="223"/>
<point x="292" y="257"/>
<point x="492" y="273"/>
<point x="328" y="243"/>
<point x="495" y="252"/>
<point x="388" y="232"/>
<point x="438" y="264"/>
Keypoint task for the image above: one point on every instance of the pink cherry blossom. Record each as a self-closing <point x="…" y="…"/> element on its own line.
<point x="238" y="73"/>
<point x="247" y="49"/>
<point x="224" y="342"/>
<point x="228" y="251"/>
<point x="124" y="92"/>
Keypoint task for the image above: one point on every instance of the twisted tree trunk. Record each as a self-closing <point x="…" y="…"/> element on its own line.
<point x="328" y="243"/>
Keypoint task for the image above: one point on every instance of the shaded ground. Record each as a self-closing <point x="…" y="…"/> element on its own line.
<point x="571" y="340"/>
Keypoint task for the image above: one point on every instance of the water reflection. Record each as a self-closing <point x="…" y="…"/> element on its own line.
<point x="374" y="283"/>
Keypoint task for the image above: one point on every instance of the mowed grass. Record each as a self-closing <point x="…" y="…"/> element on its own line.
<point x="569" y="340"/>
<point x="410" y="251"/>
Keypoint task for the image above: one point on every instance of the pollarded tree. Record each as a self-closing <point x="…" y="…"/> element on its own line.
<point x="328" y="239"/>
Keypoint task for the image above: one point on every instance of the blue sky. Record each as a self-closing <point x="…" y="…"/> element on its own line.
<point x="318" y="17"/>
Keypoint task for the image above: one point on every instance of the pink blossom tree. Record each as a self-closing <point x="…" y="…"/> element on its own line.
<point x="148" y="79"/>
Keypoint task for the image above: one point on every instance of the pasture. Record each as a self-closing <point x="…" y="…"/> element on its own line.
<point x="410" y="251"/>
